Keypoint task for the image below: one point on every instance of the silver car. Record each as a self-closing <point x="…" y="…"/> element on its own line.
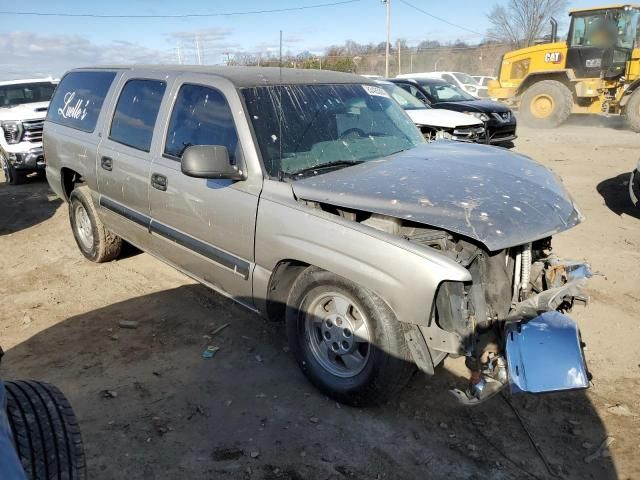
<point x="311" y="197"/>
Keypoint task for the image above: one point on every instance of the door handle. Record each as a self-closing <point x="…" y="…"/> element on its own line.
<point x="106" y="163"/>
<point x="159" y="182"/>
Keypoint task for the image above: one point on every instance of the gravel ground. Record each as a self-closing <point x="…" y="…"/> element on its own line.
<point x="249" y="413"/>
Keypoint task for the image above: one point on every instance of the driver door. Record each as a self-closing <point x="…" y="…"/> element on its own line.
<point x="204" y="227"/>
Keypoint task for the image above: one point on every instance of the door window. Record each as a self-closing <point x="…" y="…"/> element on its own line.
<point x="201" y="116"/>
<point x="136" y="113"/>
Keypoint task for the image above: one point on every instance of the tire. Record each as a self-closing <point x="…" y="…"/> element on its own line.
<point x="11" y="175"/>
<point x="376" y="369"/>
<point x="632" y="111"/>
<point x="546" y="104"/>
<point x="45" y="432"/>
<point x="94" y="240"/>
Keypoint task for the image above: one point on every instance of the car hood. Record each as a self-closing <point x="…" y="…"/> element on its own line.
<point x="486" y="106"/>
<point x="442" y="118"/>
<point x="489" y="194"/>
<point x="27" y="111"/>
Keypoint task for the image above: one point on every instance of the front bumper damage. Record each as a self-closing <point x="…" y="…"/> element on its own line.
<point x="32" y="159"/>
<point x="544" y="354"/>
<point x="540" y="349"/>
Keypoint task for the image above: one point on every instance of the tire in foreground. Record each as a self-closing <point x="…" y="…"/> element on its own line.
<point x="45" y="431"/>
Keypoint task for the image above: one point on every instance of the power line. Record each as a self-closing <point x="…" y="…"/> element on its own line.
<point x="187" y="15"/>
<point x="440" y="19"/>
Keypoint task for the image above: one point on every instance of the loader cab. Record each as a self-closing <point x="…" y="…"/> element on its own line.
<point x="600" y="41"/>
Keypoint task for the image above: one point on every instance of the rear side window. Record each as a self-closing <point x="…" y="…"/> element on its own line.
<point x="78" y="99"/>
<point x="201" y="116"/>
<point x="136" y="113"/>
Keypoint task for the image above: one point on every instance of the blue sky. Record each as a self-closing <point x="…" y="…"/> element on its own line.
<point x="35" y="46"/>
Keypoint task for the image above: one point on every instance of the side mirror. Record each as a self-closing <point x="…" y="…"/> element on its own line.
<point x="209" y="161"/>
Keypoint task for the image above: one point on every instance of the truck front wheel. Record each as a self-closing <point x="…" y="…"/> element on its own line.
<point x="11" y="175"/>
<point x="546" y="104"/>
<point x="346" y="339"/>
<point x="632" y="111"/>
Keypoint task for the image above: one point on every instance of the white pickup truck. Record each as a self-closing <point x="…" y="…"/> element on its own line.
<point x="23" y="106"/>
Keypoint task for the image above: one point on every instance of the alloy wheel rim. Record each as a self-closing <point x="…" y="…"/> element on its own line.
<point x="542" y="105"/>
<point x="83" y="227"/>
<point x="338" y="334"/>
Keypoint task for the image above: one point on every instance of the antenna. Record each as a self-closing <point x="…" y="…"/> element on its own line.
<point x="280" y="112"/>
<point x="280" y="62"/>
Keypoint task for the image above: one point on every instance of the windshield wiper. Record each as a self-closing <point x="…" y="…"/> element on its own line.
<point x="321" y="168"/>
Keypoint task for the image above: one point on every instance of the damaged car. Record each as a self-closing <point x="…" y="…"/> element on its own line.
<point x="312" y="198"/>
<point x="436" y="124"/>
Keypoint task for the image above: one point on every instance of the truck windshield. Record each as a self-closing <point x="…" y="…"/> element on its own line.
<point x="299" y="127"/>
<point x="606" y="29"/>
<point x="21" y="93"/>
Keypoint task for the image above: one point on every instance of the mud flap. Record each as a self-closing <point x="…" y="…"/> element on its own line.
<point x="544" y="354"/>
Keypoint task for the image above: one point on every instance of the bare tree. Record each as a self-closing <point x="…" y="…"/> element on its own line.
<point x="520" y="22"/>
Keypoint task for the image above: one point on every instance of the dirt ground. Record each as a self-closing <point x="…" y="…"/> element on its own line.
<point x="249" y="413"/>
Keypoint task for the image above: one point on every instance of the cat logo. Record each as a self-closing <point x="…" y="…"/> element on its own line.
<point x="552" y="57"/>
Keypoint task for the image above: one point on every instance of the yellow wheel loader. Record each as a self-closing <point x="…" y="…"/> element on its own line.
<point x="597" y="70"/>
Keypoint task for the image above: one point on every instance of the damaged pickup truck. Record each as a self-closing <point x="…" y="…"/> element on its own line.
<point x="311" y="197"/>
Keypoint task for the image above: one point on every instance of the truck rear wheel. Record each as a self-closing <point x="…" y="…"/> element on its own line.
<point x="632" y="111"/>
<point x="546" y="104"/>
<point x="45" y="432"/>
<point x="94" y="240"/>
<point x="346" y="340"/>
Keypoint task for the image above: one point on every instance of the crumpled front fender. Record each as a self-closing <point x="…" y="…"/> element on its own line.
<point x="544" y="354"/>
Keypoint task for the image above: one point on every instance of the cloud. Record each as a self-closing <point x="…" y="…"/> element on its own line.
<point x="28" y="54"/>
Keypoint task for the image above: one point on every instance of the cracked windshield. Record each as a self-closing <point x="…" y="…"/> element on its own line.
<point x="301" y="128"/>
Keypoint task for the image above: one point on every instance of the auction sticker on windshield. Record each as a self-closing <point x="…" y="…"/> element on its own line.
<point x="375" y="91"/>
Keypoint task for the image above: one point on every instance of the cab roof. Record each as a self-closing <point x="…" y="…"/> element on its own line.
<point x="604" y="7"/>
<point x="28" y="80"/>
<point x="243" y="77"/>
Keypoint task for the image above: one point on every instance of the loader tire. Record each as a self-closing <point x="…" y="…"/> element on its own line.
<point x="45" y="432"/>
<point x="546" y="104"/>
<point x="632" y="111"/>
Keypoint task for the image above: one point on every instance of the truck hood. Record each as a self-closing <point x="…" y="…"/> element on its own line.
<point x="442" y="118"/>
<point x="489" y="194"/>
<point x="27" y="111"/>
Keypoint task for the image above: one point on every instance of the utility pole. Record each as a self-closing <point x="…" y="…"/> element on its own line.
<point x="198" y="51"/>
<point x="386" y="57"/>
<point x="399" y="59"/>
<point x="179" y="54"/>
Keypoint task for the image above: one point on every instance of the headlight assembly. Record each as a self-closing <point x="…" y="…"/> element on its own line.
<point x="479" y="115"/>
<point x="12" y="132"/>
